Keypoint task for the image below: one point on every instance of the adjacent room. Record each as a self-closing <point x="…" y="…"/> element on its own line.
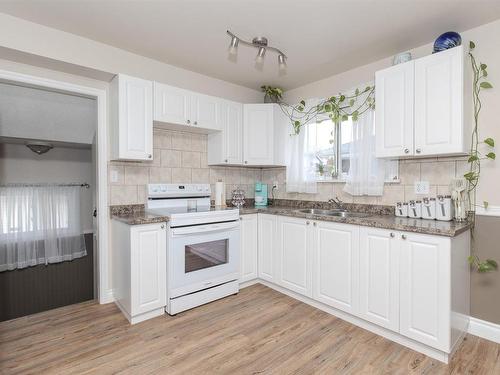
<point x="249" y="187"/>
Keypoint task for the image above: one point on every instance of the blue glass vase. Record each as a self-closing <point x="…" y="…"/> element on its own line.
<point x="446" y="41"/>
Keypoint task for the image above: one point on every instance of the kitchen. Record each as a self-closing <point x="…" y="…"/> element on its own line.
<point x="176" y="148"/>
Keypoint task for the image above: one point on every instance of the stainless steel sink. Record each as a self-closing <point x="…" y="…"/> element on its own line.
<point x="336" y="213"/>
<point x="318" y="211"/>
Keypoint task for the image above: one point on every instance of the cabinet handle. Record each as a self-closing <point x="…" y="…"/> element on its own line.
<point x="314" y="223"/>
<point x="403" y="236"/>
<point x="392" y="235"/>
<point x="246" y="162"/>
<point x="418" y="151"/>
<point x="196" y="122"/>
<point x="225" y="161"/>
<point x="241" y="218"/>
<point x="407" y="151"/>
<point x="162" y="226"/>
<point x="188" y="121"/>
<point x="150" y="156"/>
<point x="307" y="223"/>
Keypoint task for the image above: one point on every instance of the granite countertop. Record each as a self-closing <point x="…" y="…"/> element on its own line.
<point x="136" y="215"/>
<point x="441" y="228"/>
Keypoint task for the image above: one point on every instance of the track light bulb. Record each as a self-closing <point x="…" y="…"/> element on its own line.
<point x="282" y="62"/>
<point x="260" y="55"/>
<point x="233" y="47"/>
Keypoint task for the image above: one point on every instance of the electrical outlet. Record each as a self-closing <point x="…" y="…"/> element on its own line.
<point x="114" y="176"/>
<point x="422" y="187"/>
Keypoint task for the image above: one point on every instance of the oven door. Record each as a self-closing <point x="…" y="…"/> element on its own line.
<point x="202" y="256"/>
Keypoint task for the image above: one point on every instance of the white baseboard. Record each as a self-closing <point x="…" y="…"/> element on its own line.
<point x="484" y="329"/>
<point x="106" y="297"/>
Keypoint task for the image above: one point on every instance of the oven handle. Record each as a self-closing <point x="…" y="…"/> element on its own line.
<point x="217" y="227"/>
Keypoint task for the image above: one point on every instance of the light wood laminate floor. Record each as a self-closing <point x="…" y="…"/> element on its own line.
<point x="258" y="331"/>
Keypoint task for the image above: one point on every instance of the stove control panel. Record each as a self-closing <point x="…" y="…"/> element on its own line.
<point x="178" y="190"/>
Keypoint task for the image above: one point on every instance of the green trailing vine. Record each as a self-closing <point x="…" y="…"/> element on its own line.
<point x="337" y="108"/>
<point x="341" y="107"/>
<point x="479" y="83"/>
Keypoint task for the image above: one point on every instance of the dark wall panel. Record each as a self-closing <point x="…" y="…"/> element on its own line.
<point x="40" y="288"/>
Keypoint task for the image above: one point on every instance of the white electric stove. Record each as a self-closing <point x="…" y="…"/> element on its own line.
<point x="203" y="245"/>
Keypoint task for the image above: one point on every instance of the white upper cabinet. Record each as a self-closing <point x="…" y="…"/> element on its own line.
<point x="172" y="105"/>
<point x="131" y="118"/>
<point x="226" y="146"/>
<point x="181" y="109"/>
<point x="394" y="111"/>
<point x="379" y="277"/>
<point x="423" y="107"/>
<point x="205" y="111"/>
<point x="336" y="263"/>
<point x="439" y="103"/>
<point x="264" y="135"/>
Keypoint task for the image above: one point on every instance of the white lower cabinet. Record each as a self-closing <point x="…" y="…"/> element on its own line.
<point x="248" y="247"/>
<point x="294" y="254"/>
<point x="425" y="289"/>
<point x="416" y="285"/>
<point x="379" y="277"/>
<point x="267" y="253"/>
<point x="336" y="261"/>
<point x="139" y="269"/>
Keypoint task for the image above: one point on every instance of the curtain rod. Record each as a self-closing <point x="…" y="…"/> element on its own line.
<point x="85" y="185"/>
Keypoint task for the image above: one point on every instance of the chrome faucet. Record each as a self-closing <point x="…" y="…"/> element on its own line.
<point x="337" y="202"/>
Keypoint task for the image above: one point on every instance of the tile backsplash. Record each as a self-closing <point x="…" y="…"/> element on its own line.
<point x="177" y="157"/>
<point x="438" y="171"/>
<point x="182" y="157"/>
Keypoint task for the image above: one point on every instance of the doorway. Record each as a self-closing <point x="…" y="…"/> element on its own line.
<point x="77" y="160"/>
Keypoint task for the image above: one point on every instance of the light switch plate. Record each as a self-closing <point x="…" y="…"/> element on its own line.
<point x="422" y="187"/>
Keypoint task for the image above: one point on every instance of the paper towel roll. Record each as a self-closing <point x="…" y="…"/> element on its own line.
<point x="219" y="193"/>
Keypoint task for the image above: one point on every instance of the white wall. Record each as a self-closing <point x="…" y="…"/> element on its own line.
<point x="487" y="50"/>
<point x="70" y="49"/>
<point x="18" y="164"/>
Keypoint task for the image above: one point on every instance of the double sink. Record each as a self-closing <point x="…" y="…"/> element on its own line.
<point x="335" y="213"/>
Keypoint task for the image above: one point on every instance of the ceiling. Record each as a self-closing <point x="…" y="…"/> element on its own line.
<point x="38" y="114"/>
<point x="320" y="37"/>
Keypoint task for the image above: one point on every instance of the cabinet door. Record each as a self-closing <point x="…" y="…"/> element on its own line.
<point x="233" y="133"/>
<point x="248" y="247"/>
<point x="268" y="227"/>
<point x="205" y="112"/>
<point x="336" y="265"/>
<point x="135" y="118"/>
<point x="439" y="84"/>
<point x="258" y="134"/>
<point x="425" y="289"/>
<point x="294" y="254"/>
<point x="379" y="277"/>
<point x="172" y="105"/>
<point x="148" y="268"/>
<point x="394" y="110"/>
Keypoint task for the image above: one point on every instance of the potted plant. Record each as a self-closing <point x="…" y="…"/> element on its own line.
<point x="272" y="94"/>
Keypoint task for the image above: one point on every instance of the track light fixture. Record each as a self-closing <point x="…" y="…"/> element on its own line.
<point x="261" y="44"/>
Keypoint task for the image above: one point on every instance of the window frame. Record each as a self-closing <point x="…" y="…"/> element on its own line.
<point x="339" y="175"/>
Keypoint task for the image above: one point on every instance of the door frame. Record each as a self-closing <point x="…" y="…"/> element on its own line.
<point x="105" y="293"/>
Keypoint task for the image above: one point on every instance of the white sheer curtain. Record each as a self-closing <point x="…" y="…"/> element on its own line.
<point x="301" y="159"/>
<point x="39" y="225"/>
<point x="366" y="172"/>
